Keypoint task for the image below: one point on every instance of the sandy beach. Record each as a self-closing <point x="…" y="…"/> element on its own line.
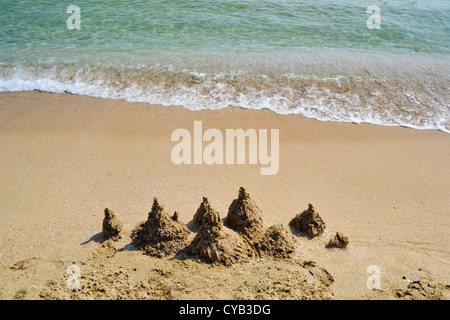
<point x="65" y="158"/>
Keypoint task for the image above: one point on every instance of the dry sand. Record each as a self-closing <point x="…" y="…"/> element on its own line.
<point x="65" y="158"/>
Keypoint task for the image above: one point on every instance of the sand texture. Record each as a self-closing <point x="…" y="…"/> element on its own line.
<point x="216" y="231"/>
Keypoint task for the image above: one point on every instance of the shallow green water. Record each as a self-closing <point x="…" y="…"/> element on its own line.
<point x="317" y="58"/>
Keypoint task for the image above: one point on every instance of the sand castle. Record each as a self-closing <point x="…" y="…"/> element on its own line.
<point x="309" y="222"/>
<point x="242" y="235"/>
<point x="112" y="225"/>
<point x="161" y="234"/>
<point x="277" y="241"/>
<point x="217" y="244"/>
<point x="244" y="216"/>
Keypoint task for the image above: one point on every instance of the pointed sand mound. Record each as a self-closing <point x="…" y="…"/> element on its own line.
<point x="277" y="241"/>
<point x="112" y="225"/>
<point x="244" y="216"/>
<point x="308" y="221"/>
<point x="161" y="234"/>
<point x="198" y="217"/>
<point x="217" y="244"/>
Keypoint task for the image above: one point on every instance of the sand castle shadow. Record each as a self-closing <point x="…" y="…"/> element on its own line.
<point x="183" y="255"/>
<point x="97" y="238"/>
<point x="128" y="247"/>
<point x="300" y="234"/>
<point x="108" y="244"/>
<point x="192" y="226"/>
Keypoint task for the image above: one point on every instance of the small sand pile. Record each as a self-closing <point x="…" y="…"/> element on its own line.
<point x="424" y="289"/>
<point x="277" y="241"/>
<point x="216" y="244"/>
<point x="24" y="264"/>
<point x="198" y="217"/>
<point x="161" y="234"/>
<point x="112" y="225"/>
<point x="338" y="241"/>
<point x="308" y="221"/>
<point x="244" y="216"/>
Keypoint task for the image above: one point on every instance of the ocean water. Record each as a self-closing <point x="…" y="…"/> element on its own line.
<point x="317" y="58"/>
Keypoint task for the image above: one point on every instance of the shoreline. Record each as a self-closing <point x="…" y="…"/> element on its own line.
<point x="66" y="157"/>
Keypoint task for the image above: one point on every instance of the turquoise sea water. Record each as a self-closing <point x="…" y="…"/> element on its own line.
<point x="316" y="58"/>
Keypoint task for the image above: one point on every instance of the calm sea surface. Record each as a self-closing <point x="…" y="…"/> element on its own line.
<point x="315" y="58"/>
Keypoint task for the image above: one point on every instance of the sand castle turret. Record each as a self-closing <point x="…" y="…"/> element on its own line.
<point x="216" y="244"/>
<point x="198" y="217"/>
<point x="161" y="234"/>
<point x="244" y="216"/>
<point x="277" y="241"/>
<point x="309" y="222"/>
<point x="112" y="225"/>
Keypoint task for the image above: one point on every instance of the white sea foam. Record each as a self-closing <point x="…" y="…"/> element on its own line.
<point x="328" y="98"/>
